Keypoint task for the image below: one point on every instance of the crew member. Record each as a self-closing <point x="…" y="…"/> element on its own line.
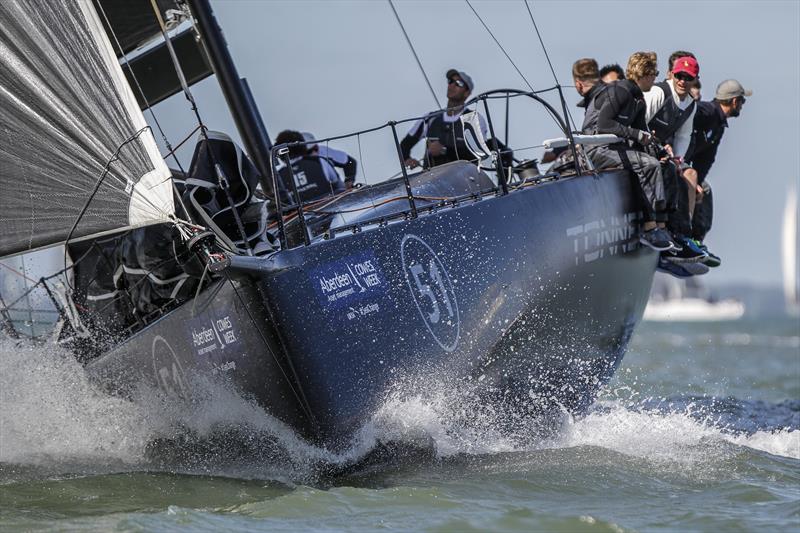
<point x="611" y="73"/>
<point x="695" y="90"/>
<point x="314" y="176"/>
<point x="670" y="114"/>
<point x="586" y="78"/>
<point x="336" y="158"/>
<point x="443" y="129"/>
<point x="710" y="122"/>
<point x="620" y="110"/>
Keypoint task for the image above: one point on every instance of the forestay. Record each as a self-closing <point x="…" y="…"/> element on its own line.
<point x="67" y="114"/>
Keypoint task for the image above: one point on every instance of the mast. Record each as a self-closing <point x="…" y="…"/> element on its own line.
<point x="243" y="108"/>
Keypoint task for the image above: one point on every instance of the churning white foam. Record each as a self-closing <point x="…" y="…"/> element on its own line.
<point x="673" y="437"/>
<point x="668" y="436"/>
<point x="50" y="412"/>
<point x="49" y="409"/>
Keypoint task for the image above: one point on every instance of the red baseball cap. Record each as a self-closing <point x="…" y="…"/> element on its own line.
<point x="686" y="64"/>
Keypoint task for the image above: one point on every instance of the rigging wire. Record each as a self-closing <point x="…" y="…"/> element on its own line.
<point x="416" y="57"/>
<point x="100" y="181"/>
<point x="164" y="138"/>
<point x="177" y="64"/>
<point x="547" y="56"/>
<point x="500" y="45"/>
<point x="136" y="81"/>
<point x="506" y="54"/>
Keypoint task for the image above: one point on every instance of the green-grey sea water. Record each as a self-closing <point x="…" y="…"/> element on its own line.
<point x="699" y="430"/>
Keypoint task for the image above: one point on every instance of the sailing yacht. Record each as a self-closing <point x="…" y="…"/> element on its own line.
<point x="673" y="300"/>
<point x="527" y="288"/>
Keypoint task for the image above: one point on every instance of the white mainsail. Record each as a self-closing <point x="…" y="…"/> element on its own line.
<point x="70" y="117"/>
<point x="789" y="237"/>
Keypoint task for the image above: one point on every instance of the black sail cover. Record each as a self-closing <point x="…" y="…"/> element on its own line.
<point x="66" y="115"/>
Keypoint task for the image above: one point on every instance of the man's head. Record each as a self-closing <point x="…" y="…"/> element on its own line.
<point x="684" y="74"/>
<point x="611" y="73"/>
<point x="673" y="56"/>
<point x="695" y="90"/>
<point x="585" y="74"/>
<point x="642" y="69"/>
<point x="459" y="86"/>
<point x="731" y="97"/>
<point x="291" y="136"/>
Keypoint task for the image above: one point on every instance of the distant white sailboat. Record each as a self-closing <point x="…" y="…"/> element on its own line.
<point x="673" y="300"/>
<point x="789" y="248"/>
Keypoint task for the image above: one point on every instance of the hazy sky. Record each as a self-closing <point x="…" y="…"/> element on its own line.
<point x="334" y="67"/>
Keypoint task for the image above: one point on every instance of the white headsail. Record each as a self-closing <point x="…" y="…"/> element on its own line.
<point x="789" y="250"/>
<point x="69" y="120"/>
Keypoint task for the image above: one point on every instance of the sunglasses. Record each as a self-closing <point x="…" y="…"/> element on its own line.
<point x="458" y="83"/>
<point x="684" y="77"/>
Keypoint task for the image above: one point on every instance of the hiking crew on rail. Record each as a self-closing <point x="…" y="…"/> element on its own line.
<point x="669" y="139"/>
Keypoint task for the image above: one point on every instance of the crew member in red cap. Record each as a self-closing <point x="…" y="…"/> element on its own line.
<point x="670" y="114"/>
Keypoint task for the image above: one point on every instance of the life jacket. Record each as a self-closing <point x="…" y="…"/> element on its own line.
<point x="451" y="135"/>
<point x="630" y="116"/>
<point x="309" y="178"/>
<point x="590" y="118"/>
<point x="670" y="117"/>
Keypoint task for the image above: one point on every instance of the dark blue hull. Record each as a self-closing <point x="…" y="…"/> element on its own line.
<point x="533" y="294"/>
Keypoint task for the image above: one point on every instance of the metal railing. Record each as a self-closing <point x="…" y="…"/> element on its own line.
<point x="282" y="152"/>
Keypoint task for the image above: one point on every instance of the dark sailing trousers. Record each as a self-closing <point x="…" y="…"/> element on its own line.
<point x="647" y="169"/>
<point x="677" y="191"/>
<point x="703" y="214"/>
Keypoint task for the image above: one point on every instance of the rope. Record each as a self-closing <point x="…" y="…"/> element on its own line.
<point x="178" y="69"/>
<point x="416" y="57"/>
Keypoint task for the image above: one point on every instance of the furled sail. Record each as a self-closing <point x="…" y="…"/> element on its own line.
<point x="69" y="125"/>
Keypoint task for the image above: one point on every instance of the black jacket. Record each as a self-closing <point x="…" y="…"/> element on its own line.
<point x="709" y="127"/>
<point x="587" y="102"/>
<point x="620" y="110"/>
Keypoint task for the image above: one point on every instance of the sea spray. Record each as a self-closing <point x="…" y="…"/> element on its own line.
<point x="51" y="414"/>
<point x="49" y="411"/>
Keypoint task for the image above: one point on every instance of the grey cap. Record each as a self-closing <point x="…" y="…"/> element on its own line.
<point x="464" y="77"/>
<point x="308" y="136"/>
<point x="731" y="89"/>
